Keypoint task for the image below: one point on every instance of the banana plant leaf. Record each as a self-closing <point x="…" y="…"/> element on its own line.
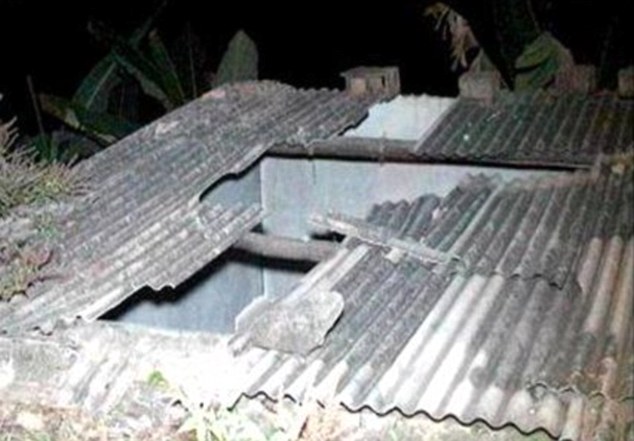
<point x="150" y="76"/>
<point x="239" y="62"/>
<point x="94" y="90"/>
<point x="104" y="127"/>
<point x="165" y="67"/>
<point x="190" y="57"/>
<point x="538" y="64"/>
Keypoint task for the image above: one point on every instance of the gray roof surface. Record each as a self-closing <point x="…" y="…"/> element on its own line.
<point x="129" y="379"/>
<point x="532" y="129"/>
<point x="105" y="369"/>
<point x="418" y="333"/>
<point x="528" y="323"/>
<point x="144" y="223"/>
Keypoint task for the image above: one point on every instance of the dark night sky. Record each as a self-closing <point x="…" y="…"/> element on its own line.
<point x="305" y="44"/>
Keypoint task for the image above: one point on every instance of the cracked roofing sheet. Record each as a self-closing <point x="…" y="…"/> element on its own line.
<point x="144" y="223"/>
<point x="530" y="324"/>
<point x="532" y="129"/>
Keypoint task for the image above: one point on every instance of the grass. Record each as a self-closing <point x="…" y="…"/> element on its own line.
<point x="25" y="183"/>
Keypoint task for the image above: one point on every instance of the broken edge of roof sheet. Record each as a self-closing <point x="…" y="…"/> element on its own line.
<point x="538" y="129"/>
<point x="481" y="345"/>
<point x="145" y="224"/>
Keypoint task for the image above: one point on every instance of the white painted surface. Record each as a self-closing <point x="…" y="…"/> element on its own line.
<point x="404" y="117"/>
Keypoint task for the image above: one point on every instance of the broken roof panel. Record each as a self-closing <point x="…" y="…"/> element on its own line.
<point x="527" y="228"/>
<point x="144" y="223"/>
<point x="532" y="129"/>
<point x="479" y="344"/>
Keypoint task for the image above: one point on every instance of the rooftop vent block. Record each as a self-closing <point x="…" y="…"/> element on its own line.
<point x="381" y="81"/>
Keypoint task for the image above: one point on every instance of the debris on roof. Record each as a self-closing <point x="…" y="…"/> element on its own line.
<point x="530" y="227"/>
<point x="533" y="328"/>
<point x="144" y="223"/>
<point x="297" y="326"/>
<point x="382" y="236"/>
<point x="532" y="129"/>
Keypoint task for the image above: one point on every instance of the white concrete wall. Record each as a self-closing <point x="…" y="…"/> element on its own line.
<point x="404" y="117"/>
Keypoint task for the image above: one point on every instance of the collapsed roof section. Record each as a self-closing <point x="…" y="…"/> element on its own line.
<point x="528" y="323"/>
<point x="144" y="223"/>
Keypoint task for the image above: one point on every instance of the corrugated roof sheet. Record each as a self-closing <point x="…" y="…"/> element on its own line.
<point x="128" y="377"/>
<point x="532" y="129"/>
<point x="106" y="369"/>
<point x="531" y="325"/>
<point x="144" y="224"/>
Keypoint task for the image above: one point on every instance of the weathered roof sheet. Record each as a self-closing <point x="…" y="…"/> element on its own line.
<point x="105" y="369"/>
<point x="527" y="228"/>
<point x="532" y="129"/>
<point x="145" y="224"/>
<point x="127" y="379"/>
<point x="531" y="325"/>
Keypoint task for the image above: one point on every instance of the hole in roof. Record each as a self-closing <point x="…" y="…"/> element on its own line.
<point x="290" y="190"/>
<point x="208" y="300"/>
<point x="225" y="188"/>
<point x="213" y="296"/>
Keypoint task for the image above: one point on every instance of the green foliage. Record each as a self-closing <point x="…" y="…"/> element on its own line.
<point x="24" y="181"/>
<point x="47" y="149"/>
<point x="144" y="61"/>
<point x="156" y="379"/>
<point x="239" y="62"/>
<point x="208" y="423"/>
<point x="95" y="89"/>
<point x="225" y="425"/>
<point x="103" y="127"/>
<point x="166" y="69"/>
<point x="537" y="66"/>
<point x="153" y="70"/>
<point x="190" y="59"/>
<point x="526" y="57"/>
<point x="22" y="268"/>
<point x="88" y="110"/>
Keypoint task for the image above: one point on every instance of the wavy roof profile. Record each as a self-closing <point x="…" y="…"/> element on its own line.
<point x="529" y="321"/>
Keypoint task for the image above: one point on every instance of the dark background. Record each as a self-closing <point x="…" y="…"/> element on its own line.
<point x="301" y="43"/>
